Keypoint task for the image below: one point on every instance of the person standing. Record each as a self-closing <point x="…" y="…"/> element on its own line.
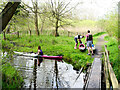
<point x="89" y="39"/>
<point x="76" y="38"/>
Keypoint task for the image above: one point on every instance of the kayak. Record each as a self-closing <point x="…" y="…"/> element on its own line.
<point x="82" y="47"/>
<point x="39" y="56"/>
<point x="49" y="57"/>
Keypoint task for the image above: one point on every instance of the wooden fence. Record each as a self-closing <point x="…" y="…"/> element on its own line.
<point x="46" y="32"/>
<point x="52" y="33"/>
<point x="110" y="78"/>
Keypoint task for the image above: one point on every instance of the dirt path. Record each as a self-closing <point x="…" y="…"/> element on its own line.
<point x="99" y="46"/>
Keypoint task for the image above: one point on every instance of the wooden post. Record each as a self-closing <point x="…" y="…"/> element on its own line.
<point x="68" y="33"/>
<point x="4" y="36"/>
<point x="108" y="53"/>
<point x="30" y="32"/>
<point x="18" y="34"/>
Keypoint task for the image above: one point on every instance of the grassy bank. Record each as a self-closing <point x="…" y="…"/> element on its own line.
<point x="10" y="76"/>
<point x="51" y="45"/>
<point x="112" y="47"/>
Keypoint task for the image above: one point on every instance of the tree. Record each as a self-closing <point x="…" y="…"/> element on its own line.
<point x="20" y="19"/>
<point x="58" y="12"/>
<point x="42" y="15"/>
<point x="34" y="10"/>
<point x="7" y="13"/>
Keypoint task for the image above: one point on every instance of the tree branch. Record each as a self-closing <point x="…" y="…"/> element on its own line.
<point x="31" y="8"/>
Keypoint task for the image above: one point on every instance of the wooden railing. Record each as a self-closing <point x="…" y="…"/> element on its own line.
<point x="108" y="72"/>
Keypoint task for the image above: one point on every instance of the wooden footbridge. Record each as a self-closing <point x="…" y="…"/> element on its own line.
<point x="101" y="70"/>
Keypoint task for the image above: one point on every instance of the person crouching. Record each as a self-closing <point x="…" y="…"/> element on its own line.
<point x="76" y="38"/>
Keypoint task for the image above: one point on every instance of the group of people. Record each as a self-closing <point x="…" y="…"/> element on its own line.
<point x="88" y="39"/>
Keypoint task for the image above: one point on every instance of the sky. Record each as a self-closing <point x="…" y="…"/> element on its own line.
<point x="96" y="8"/>
<point x="93" y="9"/>
<point x="90" y="9"/>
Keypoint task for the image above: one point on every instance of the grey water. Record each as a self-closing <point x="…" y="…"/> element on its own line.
<point x="49" y="74"/>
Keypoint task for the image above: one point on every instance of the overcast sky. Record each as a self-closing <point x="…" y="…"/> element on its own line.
<point x="96" y="8"/>
<point x="90" y="8"/>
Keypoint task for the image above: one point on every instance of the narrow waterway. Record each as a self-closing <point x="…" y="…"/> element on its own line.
<point x="49" y="74"/>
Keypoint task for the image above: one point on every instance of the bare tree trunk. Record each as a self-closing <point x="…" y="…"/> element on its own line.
<point x="36" y="19"/>
<point x="56" y="29"/>
<point x="7" y="14"/>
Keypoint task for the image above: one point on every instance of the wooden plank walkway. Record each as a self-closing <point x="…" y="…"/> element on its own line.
<point x="94" y="79"/>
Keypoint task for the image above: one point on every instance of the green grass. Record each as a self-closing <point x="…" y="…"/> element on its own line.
<point x="83" y="23"/>
<point x="98" y="34"/>
<point x="112" y="47"/>
<point x="10" y="76"/>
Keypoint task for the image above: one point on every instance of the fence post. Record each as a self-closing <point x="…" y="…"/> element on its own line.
<point x="18" y="34"/>
<point x="30" y="32"/>
<point x="68" y="33"/>
<point x="4" y="35"/>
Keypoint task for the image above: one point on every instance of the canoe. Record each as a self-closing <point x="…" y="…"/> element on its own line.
<point x="38" y="56"/>
<point x="49" y="57"/>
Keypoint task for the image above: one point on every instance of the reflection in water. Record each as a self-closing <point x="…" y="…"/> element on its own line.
<point x="56" y="72"/>
<point x="40" y="61"/>
<point x="50" y="73"/>
<point x="35" y="73"/>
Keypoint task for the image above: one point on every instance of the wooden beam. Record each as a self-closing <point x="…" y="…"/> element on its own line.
<point x="94" y="80"/>
<point x="106" y="73"/>
<point x="111" y="72"/>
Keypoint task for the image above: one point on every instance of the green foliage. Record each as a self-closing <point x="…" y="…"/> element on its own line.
<point x="6" y="45"/>
<point x="10" y="76"/>
<point x="110" y="24"/>
<point x="112" y="46"/>
<point x="86" y="23"/>
<point x="98" y="34"/>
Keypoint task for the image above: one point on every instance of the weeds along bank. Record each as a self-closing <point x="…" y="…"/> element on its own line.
<point x="62" y="45"/>
<point x="112" y="47"/>
<point x="11" y="78"/>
